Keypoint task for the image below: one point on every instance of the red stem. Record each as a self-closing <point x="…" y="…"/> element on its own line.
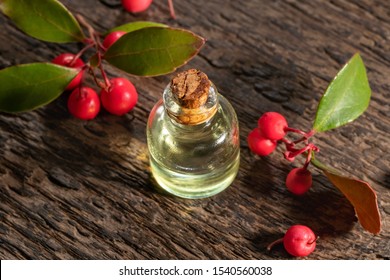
<point x="308" y="158"/>
<point x="303" y="139"/>
<point x="289" y="145"/>
<point x="306" y="135"/>
<point x="171" y="9"/>
<point x="278" y="241"/>
<point x="286" y="141"/>
<point x="97" y="82"/>
<point x="84" y="23"/>
<point x="315" y="240"/>
<point x="304" y="149"/>
<point x="292" y="153"/>
<point x="94" y="37"/>
<point x="106" y="80"/>
<point x="80" y="53"/>
<point x="290" y="129"/>
<point x="98" y="43"/>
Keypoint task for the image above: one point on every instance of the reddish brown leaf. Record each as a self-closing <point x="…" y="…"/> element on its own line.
<point x="360" y="194"/>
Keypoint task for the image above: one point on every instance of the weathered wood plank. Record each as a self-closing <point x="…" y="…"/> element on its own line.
<point x="82" y="190"/>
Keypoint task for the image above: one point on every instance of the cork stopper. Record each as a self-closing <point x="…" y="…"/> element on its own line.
<point x="195" y="97"/>
<point x="190" y="88"/>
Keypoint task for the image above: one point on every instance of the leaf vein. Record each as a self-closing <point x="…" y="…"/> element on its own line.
<point x="148" y="50"/>
<point x="60" y="27"/>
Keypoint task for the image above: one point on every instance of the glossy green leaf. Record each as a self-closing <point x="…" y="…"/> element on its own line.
<point x="362" y="197"/>
<point x="346" y="97"/>
<point x="46" y="20"/>
<point x="153" y="51"/>
<point x="136" y="25"/>
<point x="29" y="86"/>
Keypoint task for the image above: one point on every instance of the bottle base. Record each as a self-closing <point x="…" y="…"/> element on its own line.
<point x="195" y="186"/>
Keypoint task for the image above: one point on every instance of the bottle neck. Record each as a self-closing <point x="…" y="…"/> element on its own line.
<point x="186" y="116"/>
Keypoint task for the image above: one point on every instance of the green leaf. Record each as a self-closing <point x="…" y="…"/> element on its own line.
<point x="46" y="20"/>
<point x="136" y="25"/>
<point x="346" y="97"/>
<point x="359" y="193"/>
<point x="153" y="51"/>
<point x="28" y="86"/>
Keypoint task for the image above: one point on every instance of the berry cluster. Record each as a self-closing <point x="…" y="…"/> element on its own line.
<point x="272" y="127"/>
<point x="263" y="140"/>
<point x="118" y="95"/>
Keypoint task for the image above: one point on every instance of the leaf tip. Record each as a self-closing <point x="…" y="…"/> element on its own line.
<point x="346" y="97"/>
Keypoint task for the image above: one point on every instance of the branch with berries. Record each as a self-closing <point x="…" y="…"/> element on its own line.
<point x="345" y="99"/>
<point x="138" y="48"/>
<point x="273" y="127"/>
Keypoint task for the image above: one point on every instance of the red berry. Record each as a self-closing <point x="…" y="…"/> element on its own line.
<point x="259" y="144"/>
<point x="299" y="181"/>
<point x="66" y="59"/>
<point x="84" y="103"/>
<point x="272" y="125"/>
<point x="120" y="98"/>
<point x="299" y="241"/>
<point x="136" y="6"/>
<point x="112" y="37"/>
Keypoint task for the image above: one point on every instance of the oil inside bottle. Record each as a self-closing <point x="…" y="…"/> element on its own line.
<point x="197" y="160"/>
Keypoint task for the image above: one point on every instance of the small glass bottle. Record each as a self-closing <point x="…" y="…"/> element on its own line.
<point x="193" y="138"/>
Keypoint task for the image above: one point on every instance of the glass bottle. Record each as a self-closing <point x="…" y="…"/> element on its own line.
<point x="193" y="138"/>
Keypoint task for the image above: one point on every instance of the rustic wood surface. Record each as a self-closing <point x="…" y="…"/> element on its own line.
<point x="74" y="189"/>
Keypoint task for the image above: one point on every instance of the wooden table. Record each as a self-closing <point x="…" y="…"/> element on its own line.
<point x="74" y="189"/>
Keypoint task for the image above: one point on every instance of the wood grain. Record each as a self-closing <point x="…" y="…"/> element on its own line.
<point x="72" y="189"/>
